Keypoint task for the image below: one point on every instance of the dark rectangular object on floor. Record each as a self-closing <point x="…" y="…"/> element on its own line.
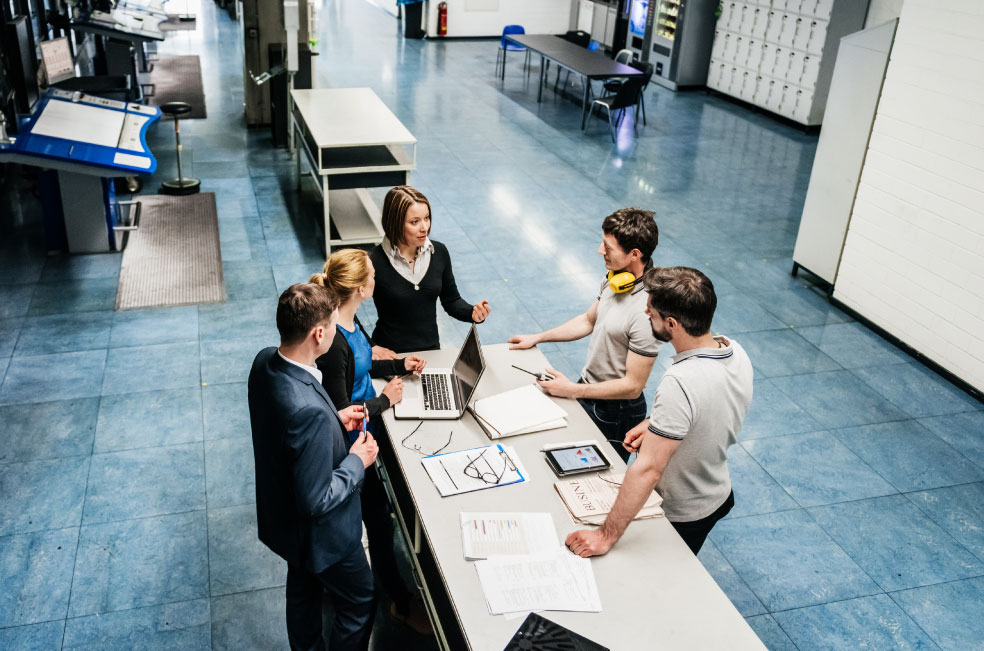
<point x="177" y="79"/>
<point x="174" y="258"/>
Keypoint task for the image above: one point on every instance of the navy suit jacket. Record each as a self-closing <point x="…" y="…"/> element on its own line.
<point x="307" y="482"/>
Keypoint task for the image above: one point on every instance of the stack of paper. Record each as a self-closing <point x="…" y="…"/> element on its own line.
<point x="556" y="580"/>
<point x="520" y="411"/>
<point x="476" y="469"/>
<point x="590" y="499"/>
<point x="507" y="534"/>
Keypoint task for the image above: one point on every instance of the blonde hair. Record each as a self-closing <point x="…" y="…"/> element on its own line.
<point x="345" y="271"/>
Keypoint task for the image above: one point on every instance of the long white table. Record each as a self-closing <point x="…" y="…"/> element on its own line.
<point x="352" y="141"/>
<point x="655" y="594"/>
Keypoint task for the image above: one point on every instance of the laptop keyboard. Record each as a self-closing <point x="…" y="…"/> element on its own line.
<point x="437" y="392"/>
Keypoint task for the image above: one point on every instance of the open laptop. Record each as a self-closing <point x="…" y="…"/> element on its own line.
<point x="444" y="393"/>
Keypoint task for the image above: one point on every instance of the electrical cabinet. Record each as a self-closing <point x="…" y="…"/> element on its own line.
<point x="779" y="54"/>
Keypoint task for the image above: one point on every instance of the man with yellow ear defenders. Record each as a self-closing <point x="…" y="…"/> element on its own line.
<point x="622" y="348"/>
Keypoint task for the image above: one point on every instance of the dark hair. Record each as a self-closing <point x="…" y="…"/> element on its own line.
<point x="395" y="206"/>
<point x="633" y="228"/>
<point x="684" y="293"/>
<point x="303" y="306"/>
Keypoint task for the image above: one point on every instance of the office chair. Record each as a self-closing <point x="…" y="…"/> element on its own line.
<point x="624" y="56"/>
<point x="627" y="95"/>
<point x="504" y="45"/>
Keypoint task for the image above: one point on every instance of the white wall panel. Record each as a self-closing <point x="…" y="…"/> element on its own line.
<point x="913" y="260"/>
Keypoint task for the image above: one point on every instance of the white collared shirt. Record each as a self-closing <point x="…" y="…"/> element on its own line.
<point x="403" y="267"/>
<point x="313" y="370"/>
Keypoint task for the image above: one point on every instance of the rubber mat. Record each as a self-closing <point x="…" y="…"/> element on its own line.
<point x="174" y="258"/>
<point x="176" y="79"/>
<point x="175" y="24"/>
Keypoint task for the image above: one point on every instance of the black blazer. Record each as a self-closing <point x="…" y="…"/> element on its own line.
<point x="307" y="483"/>
<point x="337" y="368"/>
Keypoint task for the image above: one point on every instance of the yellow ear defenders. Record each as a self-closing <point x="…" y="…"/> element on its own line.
<point x="621" y="282"/>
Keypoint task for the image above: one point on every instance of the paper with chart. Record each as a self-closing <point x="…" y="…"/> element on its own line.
<point x="519" y="411"/>
<point x="476" y="469"/>
<point x="507" y="534"/>
<point x="589" y="499"/>
<point x="552" y="581"/>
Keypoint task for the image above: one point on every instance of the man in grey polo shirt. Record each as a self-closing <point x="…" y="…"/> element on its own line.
<point x="697" y="413"/>
<point x="622" y="348"/>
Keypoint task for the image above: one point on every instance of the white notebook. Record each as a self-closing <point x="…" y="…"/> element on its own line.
<point x="518" y="411"/>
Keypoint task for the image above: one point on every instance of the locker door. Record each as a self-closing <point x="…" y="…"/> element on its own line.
<point x="754" y="55"/>
<point x="768" y="60"/>
<point x="774" y="28"/>
<point x="762" y="86"/>
<point x="788" y="33"/>
<point x="794" y="71"/>
<point x="781" y="66"/>
<point x="818" y="35"/>
<point x="730" y="47"/>
<point x="717" y="50"/>
<point x="714" y="74"/>
<point x="824" y="9"/>
<point x="761" y="23"/>
<point x="741" y="51"/>
<point x="811" y="71"/>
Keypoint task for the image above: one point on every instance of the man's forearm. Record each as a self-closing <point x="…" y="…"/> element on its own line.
<point x="576" y="328"/>
<point x="638" y="485"/>
<point x="621" y="389"/>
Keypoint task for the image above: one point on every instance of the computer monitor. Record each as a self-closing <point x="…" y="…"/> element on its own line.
<point x="57" y="58"/>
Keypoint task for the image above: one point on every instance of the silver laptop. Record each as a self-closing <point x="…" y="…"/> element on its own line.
<point x="444" y="393"/>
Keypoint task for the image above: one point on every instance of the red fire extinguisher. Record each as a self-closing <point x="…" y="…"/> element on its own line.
<point x="442" y="19"/>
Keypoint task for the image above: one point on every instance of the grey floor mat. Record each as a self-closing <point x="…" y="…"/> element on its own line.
<point x="177" y="79"/>
<point x="174" y="258"/>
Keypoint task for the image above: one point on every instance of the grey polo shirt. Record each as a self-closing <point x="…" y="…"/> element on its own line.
<point x="701" y="402"/>
<point x="621" y="325"/>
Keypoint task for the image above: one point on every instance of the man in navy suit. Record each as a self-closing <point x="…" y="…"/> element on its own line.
<point x="307" y="482"/>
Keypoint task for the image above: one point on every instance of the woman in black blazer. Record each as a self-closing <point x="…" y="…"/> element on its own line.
<point x="347" y="370"/>
<point x="413" y="272"/>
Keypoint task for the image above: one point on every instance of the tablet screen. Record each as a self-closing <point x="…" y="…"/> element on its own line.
<point x="584" y="457"/>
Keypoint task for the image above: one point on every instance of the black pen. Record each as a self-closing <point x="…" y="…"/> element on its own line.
<point x="536" y="375"/>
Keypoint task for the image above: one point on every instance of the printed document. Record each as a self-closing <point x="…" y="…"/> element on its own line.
<point x="589" y="499"/>
<point x="507" y="534"/>
<point x="554" y="581"/>
<point x="476" y="469"/>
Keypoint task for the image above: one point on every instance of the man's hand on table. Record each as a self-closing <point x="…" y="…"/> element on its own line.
<point x="560" y="386"/>
<point x="587" y="543"/>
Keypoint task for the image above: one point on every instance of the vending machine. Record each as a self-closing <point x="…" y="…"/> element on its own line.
<point x="683" y="35"/>
<point x="640" y="27"/>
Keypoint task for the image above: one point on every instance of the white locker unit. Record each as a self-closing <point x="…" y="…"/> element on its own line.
<point x="779" y="54"/>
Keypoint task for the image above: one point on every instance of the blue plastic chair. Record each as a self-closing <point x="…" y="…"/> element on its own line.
<point x="594" y="45"/>
<point x="506" y="45"/>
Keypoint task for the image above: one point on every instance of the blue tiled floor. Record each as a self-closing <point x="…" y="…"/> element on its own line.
<point x="126" y="474"/>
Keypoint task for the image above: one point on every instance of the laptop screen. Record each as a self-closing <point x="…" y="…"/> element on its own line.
<point x="468" y="367"/>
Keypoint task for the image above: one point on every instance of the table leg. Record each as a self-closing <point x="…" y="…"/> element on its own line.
<point x="324" y="190"/>
<point x="298" y="154"/>
<point x="584" y="105"/>
<point x="539" y="88"/>
<point x="504" y="50"/>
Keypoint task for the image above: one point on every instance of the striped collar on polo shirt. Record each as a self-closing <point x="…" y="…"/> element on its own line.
<point x="723" y="352"/>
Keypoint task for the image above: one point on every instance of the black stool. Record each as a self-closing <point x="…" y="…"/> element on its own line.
<point x="182" y="184"/>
